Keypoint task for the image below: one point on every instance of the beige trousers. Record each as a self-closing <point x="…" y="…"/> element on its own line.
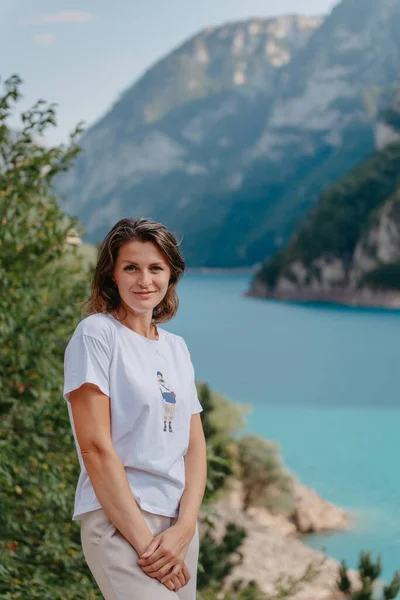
<point x="113" y="561"/>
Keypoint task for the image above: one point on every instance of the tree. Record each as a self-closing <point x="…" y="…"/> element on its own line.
<point x="41" y="284"/>
<point x="369" y="572"/>
<point x="344" y="583"/>
<point x="37" y="299"/>
<point x="216" y="558"/>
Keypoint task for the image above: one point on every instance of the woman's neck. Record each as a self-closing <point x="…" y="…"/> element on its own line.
<point x="141" y="325"/>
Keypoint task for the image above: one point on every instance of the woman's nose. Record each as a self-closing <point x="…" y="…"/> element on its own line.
<point x="144" y="279"/>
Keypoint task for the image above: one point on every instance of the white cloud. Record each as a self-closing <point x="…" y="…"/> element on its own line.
<point x="60" y="17"/>
<point x="44" y="38"/>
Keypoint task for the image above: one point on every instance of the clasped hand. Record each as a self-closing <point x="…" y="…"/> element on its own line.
<point x="164" y="558"/>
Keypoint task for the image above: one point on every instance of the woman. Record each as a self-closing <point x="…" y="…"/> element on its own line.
<point x="141" y="484"/>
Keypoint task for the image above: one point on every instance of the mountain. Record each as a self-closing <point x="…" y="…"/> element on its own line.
<point x="231" y="138"/>
<point x="348" y="249"/>
<point x="166" y="142"/>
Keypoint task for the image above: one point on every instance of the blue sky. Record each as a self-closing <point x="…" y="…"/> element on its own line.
<point x="83" y="53"/>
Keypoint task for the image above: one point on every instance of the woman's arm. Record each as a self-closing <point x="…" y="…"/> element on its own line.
<point x="91" y="413"/>
<point x="195" y="477"/>
<point x="170" y="547"/>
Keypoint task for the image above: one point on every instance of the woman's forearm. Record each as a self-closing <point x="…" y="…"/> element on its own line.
<point x="113" y="491"/>
<point x="195" y="483"/>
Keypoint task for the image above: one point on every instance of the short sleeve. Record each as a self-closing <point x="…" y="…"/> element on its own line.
<point x="196" y="406"/>
<point x="194" y="399"/>
<point x="86" y="360"/>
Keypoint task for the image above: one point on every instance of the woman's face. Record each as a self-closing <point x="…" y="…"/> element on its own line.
<point x="142" y="275"/>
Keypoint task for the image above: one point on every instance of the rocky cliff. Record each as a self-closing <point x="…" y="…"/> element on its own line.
<point x="271" y="551"/>
<point x="231" y="138"/>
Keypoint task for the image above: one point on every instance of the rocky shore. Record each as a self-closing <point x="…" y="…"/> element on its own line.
<point x="349" y="297"/>
<point x="272" y="554"/>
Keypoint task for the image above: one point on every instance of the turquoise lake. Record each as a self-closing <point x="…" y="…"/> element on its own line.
<point x="322" y="381"/>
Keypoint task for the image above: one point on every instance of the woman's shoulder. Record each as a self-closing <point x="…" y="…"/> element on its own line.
<point x="99" y="326"/>
<point x="176" y="340"/>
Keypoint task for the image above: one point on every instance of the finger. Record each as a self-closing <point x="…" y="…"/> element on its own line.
<point x="186" y="572"/>
<point x="154" y="544"/>
<point x="157" y="554"/>
<point x="164" y="565"/>
<point x="159" y="564"/>
<point x="176" y="583"/>
<point x="182" y="578"/>
<point x="164" y="573"/>
<point x="170" y="585"/>
<point x="171" y="573"/>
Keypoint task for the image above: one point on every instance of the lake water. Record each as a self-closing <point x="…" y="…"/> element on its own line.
<point x="322" y="381"/>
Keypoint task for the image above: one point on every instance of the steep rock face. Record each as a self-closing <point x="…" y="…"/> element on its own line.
<point x="231" y="138"/>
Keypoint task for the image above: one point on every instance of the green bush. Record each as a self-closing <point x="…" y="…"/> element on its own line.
<point x="369" y="573"/>
<point x="216" y="558"/>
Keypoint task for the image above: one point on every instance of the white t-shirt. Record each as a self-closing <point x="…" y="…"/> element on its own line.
<point x="152" y="394"/>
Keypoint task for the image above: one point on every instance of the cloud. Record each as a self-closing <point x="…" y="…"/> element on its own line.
<point x="60" y="17"/>
<point x="44" y="38"/>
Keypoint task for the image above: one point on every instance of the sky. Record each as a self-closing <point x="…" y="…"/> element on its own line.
<point x="82" y="54"/>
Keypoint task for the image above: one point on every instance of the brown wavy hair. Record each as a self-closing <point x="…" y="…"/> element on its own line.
<point x="105" y="297"/>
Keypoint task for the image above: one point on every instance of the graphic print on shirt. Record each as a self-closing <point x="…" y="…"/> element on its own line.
<point x="169" y="398"/>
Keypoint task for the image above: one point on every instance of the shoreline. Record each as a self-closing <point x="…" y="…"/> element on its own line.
<point x="365" y="298"/>
<point x="221" y="270"/>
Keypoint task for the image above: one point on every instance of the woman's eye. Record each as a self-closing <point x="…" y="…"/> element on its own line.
<point x="132" y="267"/>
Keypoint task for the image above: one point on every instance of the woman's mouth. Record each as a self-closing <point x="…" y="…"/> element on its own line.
<point x="143" y="294"/>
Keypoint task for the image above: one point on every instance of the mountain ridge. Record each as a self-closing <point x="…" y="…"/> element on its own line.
<point x="166" y="152"/>
<point x="228" y="169"/>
